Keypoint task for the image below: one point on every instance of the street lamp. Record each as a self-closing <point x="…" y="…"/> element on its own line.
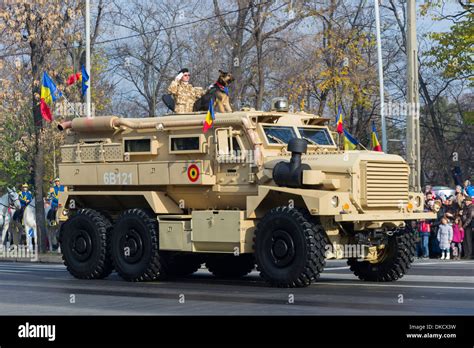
<point x="380" y="69"/>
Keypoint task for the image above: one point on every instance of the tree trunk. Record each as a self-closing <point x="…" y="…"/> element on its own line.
<point x="151" y="106"/>
<point x="322" y="102"/>
<point x="37" y="60"/>
<point x="436" y="130"/>
<point x="236" y="90"/>
<point x="260" y="72"/>
<point x="236" y="35"/>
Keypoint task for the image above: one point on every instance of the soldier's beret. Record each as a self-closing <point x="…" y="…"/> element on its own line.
<point x="184" y="70"/>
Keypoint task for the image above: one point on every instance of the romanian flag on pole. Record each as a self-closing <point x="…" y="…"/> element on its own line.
<point x="339" y="125"/>
<point x="49" y="94"/>
<point x="209" y="117"/>
<point x="350" y="143"/>
<point x="375" y="141"/>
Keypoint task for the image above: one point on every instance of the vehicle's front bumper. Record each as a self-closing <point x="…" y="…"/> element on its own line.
<point x="388" y="216"/>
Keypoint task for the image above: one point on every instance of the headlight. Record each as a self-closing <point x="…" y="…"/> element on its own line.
<point x="335" y="201"/>
<point x="345" y="207"/>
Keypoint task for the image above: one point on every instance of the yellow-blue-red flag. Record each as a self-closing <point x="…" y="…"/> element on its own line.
<point x="350" y="143"/>
<point x="49" y="94"/>
<point x="375" y="141"/>
<point x="339" y="127"/>
<point x="209" y="117"/>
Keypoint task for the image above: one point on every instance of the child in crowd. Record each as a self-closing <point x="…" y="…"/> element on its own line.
<point x="425" y="229"/>
<point x="458" y="237"/>
<point x="445" y="236"/>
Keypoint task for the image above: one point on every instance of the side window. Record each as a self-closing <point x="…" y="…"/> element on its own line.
<point x="183" y="144"/>
<point x="137" y="145"/>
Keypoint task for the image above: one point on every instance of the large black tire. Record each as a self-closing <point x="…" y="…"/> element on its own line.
<point x="134" y="246"/>
<point x="230" y="265"/>
<point x="289" y="248"/>
<point x="400" y="253"/>
<point x="84" y="243"/>
<point x="176" y="264"/>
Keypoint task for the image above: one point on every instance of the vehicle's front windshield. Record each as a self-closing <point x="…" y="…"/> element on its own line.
<point x="279" y="135"/>
<point x="316" y="136"/>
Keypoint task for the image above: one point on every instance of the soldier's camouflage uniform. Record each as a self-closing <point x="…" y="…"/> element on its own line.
<point x="184" y="95"/>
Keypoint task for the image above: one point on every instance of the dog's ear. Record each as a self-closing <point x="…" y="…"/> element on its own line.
<point x="221" y="72"/>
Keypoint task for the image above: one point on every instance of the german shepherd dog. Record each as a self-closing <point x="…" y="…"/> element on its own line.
<point x="219" y="93"/>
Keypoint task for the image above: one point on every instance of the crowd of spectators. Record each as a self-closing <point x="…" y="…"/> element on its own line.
<point x="450" y="235"/>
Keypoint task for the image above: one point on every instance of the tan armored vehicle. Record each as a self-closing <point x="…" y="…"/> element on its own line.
<point x="157" y="197"/>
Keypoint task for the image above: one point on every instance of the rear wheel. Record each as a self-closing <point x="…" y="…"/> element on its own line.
<point x="84" y="242"/>
<point x="134" y="246"/>
<point x="395" y="260"/>
<point x="289" y="248"/>
<point x="230" y="266"/>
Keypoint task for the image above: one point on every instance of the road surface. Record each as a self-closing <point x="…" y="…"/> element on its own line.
<point x="432" y="287"/>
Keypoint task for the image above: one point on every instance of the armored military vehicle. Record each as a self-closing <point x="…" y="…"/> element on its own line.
<point x="157" y="197"/>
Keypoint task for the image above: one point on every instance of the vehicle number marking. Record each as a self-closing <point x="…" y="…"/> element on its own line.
<point x="111" y="178"/>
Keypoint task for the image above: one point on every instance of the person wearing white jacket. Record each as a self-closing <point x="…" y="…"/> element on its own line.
<point x="445" y="236"/>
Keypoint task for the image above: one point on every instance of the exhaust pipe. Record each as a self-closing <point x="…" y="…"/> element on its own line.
<point x="109" y="123"/>
<point x="65" y="125"/>
<point x="96" y="124"/>
<point x="291" y="174"/>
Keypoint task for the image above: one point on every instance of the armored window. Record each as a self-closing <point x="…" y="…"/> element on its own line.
<point x="180" y="144"/>
<point x="279" y="135"/>
<point x="187" y="144"/>
<point x="316" y="136"/>
<point x="137" y="145"/>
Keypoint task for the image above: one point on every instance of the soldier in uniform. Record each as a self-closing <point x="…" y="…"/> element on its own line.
<point x="184" y="94"/>
<point x="54" y="196"/>
<point x="25" y="199"/>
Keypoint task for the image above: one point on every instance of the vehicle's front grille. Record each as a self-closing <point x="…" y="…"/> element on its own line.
<point x="384" y="184"/>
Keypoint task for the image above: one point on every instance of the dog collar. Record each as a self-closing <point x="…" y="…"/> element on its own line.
<point x="224" y="89"/>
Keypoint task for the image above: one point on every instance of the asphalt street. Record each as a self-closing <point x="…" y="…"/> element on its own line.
<point x="432" y="287"/>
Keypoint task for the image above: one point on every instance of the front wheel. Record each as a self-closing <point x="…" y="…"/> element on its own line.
<point x="289" y="248"/>
<point x="84" y="242"/>
<point x="395" y="261"/>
